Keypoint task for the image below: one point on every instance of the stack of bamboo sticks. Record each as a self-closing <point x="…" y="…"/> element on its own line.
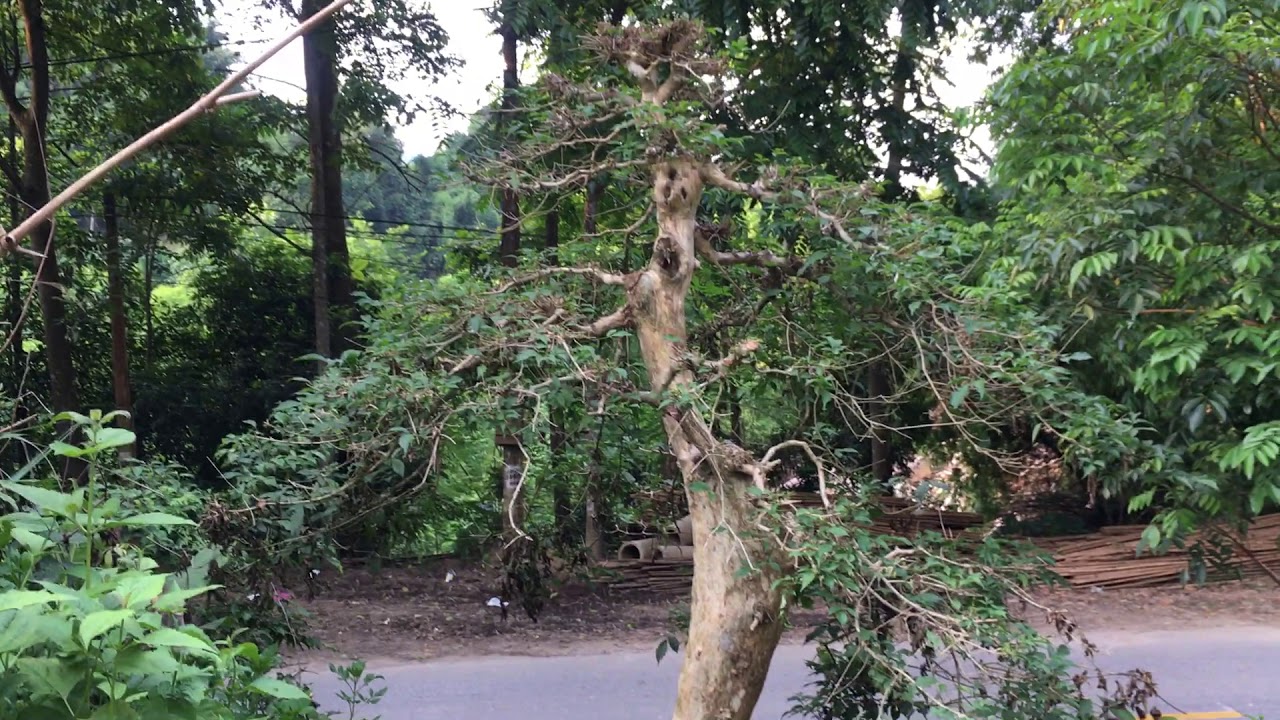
<point x="1108" y="559"/>
<point x="657" y="576"/>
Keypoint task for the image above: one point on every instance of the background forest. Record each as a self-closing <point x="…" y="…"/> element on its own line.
<point x="311" y="348"/>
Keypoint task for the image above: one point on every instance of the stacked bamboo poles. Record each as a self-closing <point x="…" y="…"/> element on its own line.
<point x="1105" y="559"/>
<point x="1108" y="559"/>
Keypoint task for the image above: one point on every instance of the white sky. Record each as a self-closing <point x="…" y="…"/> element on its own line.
<point x="471" y="38"/>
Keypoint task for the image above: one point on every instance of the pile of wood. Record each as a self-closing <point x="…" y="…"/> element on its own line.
<point x="655" y="576"/>
<point x="664" y="563"/>
<point x="1108" y="559"/>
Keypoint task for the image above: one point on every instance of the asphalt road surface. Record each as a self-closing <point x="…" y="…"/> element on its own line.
<point x="1206" y="673"/>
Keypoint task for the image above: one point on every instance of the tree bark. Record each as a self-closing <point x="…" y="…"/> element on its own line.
<point x="149" y="308"/>
<point x="509" y="238"/>
<point x="32" y="121"/>
<point x="879" y="388"/>
<point x="513" y="468"/>
<point x="333" y="287"/>
<point x="13" y="306"/>
<point x="735" y="621"/>
<point x="119" y="323"/>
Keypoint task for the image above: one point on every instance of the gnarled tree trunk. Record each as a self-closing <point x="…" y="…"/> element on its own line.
<point x="735" y="624"/>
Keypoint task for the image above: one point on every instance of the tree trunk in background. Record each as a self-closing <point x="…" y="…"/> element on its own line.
<point x="561" y="497"/>
<point x="509" y="242"/>
<point x="32" y="122"/>
<point x="513" y="496"/>
<point x="879" y="388"/>
<point x="879" y="383"/>
<point x="13" y="305"/>
<point x="333" y="288"/>
<point x="149" y="309"/>
<point x="119" y="323"/>
<point x="592" y="531"/>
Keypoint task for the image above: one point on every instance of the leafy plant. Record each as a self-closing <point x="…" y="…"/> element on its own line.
<point x="89" y="625"/>
<point x="933" y="626"/>
<point x="358" y="687"/>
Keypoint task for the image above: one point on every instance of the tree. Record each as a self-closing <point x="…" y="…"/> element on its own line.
<point x="803" y="279"/>
<point x="660" y="131"/>
<point x="1138" y="157"/>
<point x="32" y="180"/>
<point x="349" y="63"/>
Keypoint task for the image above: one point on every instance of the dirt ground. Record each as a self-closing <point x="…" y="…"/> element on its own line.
<point x="441" y="609"/>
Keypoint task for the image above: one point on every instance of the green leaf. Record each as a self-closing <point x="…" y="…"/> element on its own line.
<point x="60" y="503"/>
<point x="136" y="660"/>
<point x="279" y="689"/>
<point x="165" y="708"/>
<point x="115" y="710"/>
<point x="18" y="599"/>
<point x="113" y="437"/>
<point x="150" y="519"/>
<point x="175" y="601"/>
<point x="97" y="623"/>
<point x="49" y="675"/>
<point x="168" y="637"/>
<point x="1150" y="538"/>
<point x="137" y="590"/>
<point x="661" y="651"/>
<point x="1258" y="497"/>
<point x="31" y="541"/>
<point x="62" y="449"/>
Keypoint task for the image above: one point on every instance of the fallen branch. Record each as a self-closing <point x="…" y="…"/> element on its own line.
<point x="212" y="100"/>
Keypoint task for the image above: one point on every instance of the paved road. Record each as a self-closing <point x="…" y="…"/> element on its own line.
<point x="1199" y="671"/>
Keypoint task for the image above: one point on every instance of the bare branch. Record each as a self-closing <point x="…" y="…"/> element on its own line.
<point x="669" y="87"/>
<point x="761" y="258"/>
<point x="601" y="276"/>
<point x="619" y="318"/>
<point x="767" y="463"/>
<point x="210" y="101"/>
<point x="278" y="233"/>
<point x="8" y="90"/>
<point x="738" y="353"/>
<point x="714" y="176"/>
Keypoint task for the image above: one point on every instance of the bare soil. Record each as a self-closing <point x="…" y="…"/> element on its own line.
<point x="441" y="609"/>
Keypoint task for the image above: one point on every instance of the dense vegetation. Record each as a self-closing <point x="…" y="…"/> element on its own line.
<point x="713" y="248"/>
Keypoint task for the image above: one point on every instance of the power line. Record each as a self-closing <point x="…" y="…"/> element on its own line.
<point x="386" y="221"/>
<point x="172" y="50"/>
<point x="396" y="239"/>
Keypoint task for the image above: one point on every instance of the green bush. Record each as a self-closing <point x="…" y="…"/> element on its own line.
<point x="932" y="626"/>
<point x="89" y="625"/>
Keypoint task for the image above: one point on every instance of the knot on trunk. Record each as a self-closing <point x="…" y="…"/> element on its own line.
<point x="677" y="187"/>
<point x="667" y="255"/>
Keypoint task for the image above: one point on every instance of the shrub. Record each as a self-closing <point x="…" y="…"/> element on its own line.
<point x="89" y="625"/>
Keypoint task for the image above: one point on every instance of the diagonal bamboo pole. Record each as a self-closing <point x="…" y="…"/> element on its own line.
<point x="211" y="101"/>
